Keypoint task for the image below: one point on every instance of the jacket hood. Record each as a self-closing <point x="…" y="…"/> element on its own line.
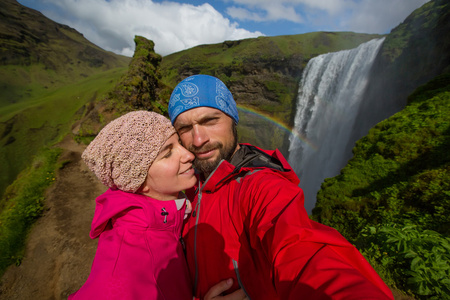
<point x="116" y="204"/>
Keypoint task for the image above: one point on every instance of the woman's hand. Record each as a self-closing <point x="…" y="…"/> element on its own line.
<point x="215" y="292"/>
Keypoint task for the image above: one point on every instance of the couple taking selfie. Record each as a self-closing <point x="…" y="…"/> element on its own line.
<point x="192" y="214"/>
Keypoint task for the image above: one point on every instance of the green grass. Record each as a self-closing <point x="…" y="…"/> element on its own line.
<point x="21" y="83"/>
<point x="22" y="204"/>
<point x="392" y="200"/>
<point x="41" y="120"/>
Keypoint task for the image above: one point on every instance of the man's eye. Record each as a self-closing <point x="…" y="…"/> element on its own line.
<point x="183" y="129"/>
<point x="210" y="121"/>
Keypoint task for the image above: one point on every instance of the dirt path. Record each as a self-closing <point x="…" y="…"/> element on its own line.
<point x="59" y="252"/>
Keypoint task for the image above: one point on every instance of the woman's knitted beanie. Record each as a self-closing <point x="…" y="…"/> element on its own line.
<point x="124" y="150"/>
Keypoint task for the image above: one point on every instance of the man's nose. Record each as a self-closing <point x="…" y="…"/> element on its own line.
<point x="200" y="136"/>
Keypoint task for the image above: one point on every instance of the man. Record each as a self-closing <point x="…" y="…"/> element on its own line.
<point x="248" y="221"/>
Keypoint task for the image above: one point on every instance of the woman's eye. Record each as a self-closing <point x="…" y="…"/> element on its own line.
<point x="168" y="154"/>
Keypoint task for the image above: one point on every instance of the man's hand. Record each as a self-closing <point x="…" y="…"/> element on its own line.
<point x="215" y="292"/>
<point x="188" y="209"/>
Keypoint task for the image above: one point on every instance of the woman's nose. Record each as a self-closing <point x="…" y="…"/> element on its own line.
<point x="186" y="155"/>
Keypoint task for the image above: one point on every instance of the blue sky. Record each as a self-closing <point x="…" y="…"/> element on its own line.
<point x="178" y="25"/>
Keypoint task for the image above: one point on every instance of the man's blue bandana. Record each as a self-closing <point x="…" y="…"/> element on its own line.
<point x="202" y="90"/>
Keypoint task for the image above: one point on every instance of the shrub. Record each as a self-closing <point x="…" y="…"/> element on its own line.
<point x="418" y="259"/>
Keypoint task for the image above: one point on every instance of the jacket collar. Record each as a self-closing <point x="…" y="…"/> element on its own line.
<point x="243" y="161"/>
<point x="218" y="176"/>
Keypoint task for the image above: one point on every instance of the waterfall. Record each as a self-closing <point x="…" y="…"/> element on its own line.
<point x="329" y="98"/>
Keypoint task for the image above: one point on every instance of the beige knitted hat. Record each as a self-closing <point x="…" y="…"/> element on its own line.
<point x="124" y="150"/>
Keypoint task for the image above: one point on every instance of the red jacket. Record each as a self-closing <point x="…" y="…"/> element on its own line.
<point x="249" y="223"/>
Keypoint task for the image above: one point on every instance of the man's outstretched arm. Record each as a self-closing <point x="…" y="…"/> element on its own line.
<point x="309" y="259"/>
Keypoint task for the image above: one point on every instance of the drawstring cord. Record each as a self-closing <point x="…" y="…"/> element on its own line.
<point x="164" y="213"/>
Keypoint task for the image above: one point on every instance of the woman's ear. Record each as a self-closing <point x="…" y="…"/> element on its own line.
<point x="144" y="189"/>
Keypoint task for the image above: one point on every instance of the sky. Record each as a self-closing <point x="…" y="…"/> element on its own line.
<point x="178" y="25"/>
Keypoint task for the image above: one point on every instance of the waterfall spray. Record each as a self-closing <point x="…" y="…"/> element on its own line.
<point x="330" y="95"/>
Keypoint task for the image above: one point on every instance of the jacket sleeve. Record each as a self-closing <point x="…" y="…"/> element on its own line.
<point x="309" y="260"/>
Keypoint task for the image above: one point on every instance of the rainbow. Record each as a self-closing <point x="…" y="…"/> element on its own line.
<point x="278" y="123"/>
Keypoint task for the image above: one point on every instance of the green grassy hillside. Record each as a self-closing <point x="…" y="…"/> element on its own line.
<point x="37" y="54"/>
<point x="27" y="126"/>
<point x="393" y="197"/>
<point x="231" y="60"/>
<point x="48" y="71"/>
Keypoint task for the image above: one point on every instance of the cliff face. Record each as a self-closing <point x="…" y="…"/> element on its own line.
<point x="418" y="49"/>
<point x="413" y="53"/>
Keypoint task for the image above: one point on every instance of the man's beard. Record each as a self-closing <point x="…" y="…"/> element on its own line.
<point x="225" y="152"/>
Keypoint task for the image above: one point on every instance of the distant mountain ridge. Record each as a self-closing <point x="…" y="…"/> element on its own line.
<point x="41" y="61"/>
<point x="29" y="39"/>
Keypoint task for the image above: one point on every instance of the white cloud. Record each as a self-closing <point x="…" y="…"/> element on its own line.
<point x="380" y="16"/>
<point x="270" y="11"/>
<point x="173" y="27"/>
<point x="290" y="10"/>
<point x="338" y="15"/>
<point x="244" y="14"/>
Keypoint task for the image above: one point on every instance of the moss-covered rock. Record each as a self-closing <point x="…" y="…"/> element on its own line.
<point x="139" y="89"/>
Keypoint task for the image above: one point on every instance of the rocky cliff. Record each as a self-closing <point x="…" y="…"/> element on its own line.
<point x="139" y="89"/>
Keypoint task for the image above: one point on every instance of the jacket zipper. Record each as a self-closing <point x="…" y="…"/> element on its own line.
<point x="236" y="270"/>
<point x="196" y="214"/>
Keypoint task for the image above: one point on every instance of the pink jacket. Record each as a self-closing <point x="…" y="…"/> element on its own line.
<point x="139" y="254"/>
